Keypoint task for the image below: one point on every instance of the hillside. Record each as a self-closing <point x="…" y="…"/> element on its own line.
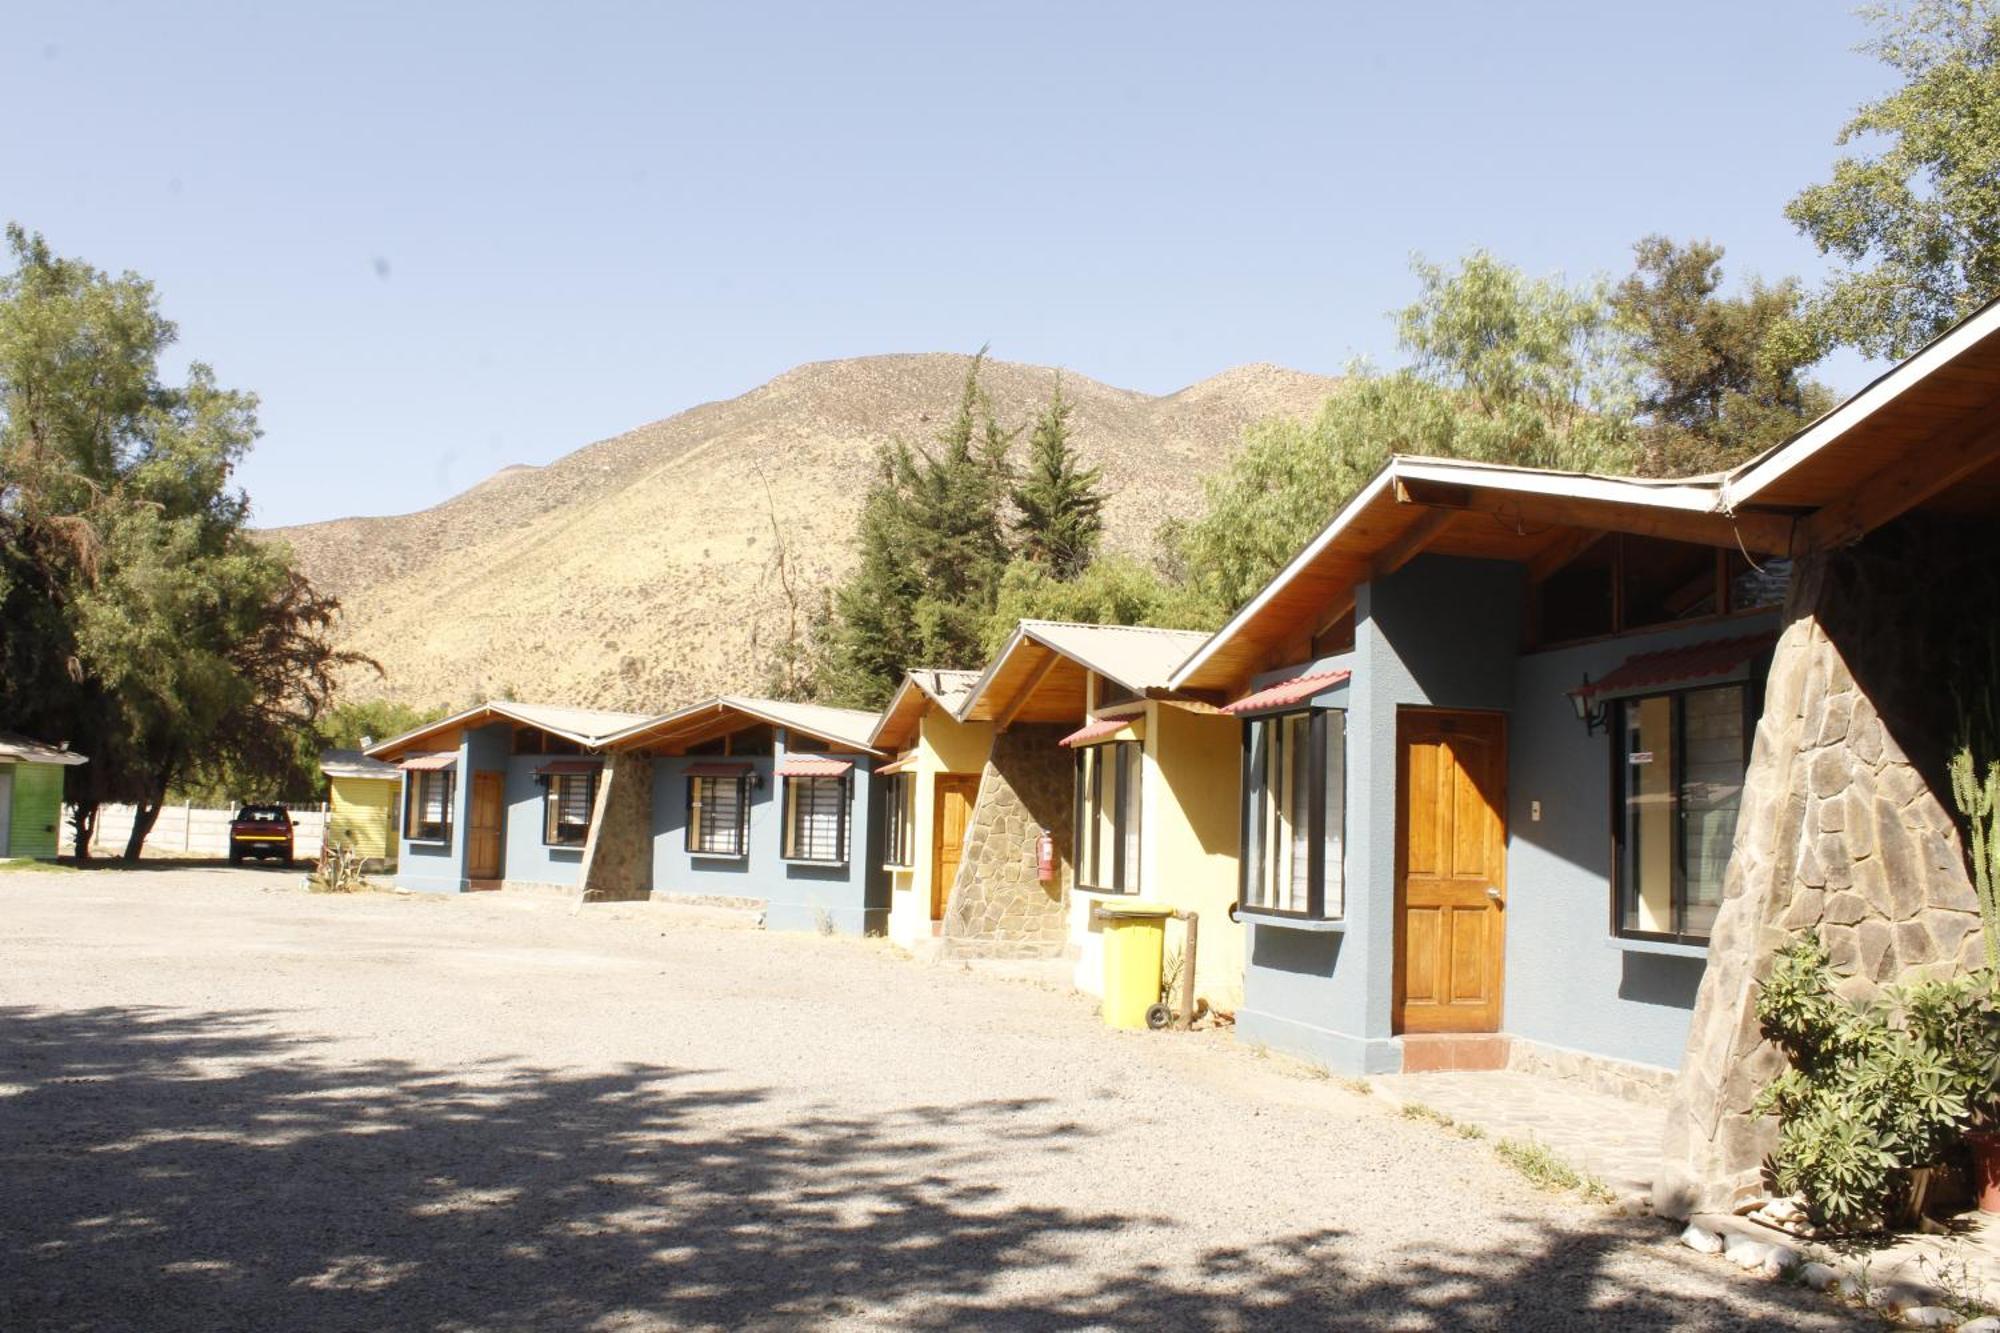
<point x="636" y="572"/>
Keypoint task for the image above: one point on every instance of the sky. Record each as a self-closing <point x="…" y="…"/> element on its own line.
<point x="439" y="239"/>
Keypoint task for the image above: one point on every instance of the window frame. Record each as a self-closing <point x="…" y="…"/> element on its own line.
<point x="843" y="825"/>
<point x="1125" y="885"/>
<point x="1752" y="703"/>
<point x="552" y="797"/>
<point x="1253" y="793"/>
<point x="438" y="834"/>
<point x="692" y="836"/>
<point x="899" y="821"/>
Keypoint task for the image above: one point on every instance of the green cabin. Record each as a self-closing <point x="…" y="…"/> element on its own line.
<point x="31" y="796"/>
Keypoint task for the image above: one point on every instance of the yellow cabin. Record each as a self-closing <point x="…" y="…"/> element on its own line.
<point x="362" y="794"/>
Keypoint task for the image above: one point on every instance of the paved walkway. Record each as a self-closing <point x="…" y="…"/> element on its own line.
<point x="1611" y="1138"/>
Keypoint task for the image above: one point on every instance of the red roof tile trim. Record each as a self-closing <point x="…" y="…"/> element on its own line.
<point x="1296" y="690"/>
<point x="424" y="763"/>
<point x="569" y="766"/>
<point x="1093" y="730"/>
<point x="813" y="766"/>
<point x="715" y="770"/>
<point x="1670" y="666"/>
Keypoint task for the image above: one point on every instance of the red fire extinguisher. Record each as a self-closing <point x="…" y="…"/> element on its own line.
<point x="1045" y="858"/>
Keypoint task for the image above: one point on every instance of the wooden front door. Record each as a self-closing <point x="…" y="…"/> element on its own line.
<point x="1451" y="870"/>
<point x="488" y="826"/>
<point x="951" y="815"/>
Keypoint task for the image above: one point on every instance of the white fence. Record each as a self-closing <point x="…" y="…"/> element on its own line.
<point x="189" y="830"/>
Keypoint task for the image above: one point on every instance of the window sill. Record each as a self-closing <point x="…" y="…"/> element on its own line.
<point x="1274" y="921"/>
<point x="565" y="846"/>
<point x="428" y="842"/>
<point x="1661" y="948"/>
<point x="895" y="869"/>
<point x="1104" y="893"/>
<point x="719" y="856"/>
<point x="812" y="861"/>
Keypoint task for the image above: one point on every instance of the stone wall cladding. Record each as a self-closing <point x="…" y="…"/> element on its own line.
<point x="618" y="855"/>
<point x="1840" y="834"/>
<point x="1648" y="1085"/>
<point x="998" y="906"/>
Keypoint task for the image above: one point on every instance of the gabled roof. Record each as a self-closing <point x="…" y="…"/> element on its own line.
<point x="18" y="749"/>
<point x="588" y="727"/>
<point x="1051" y="657"/>
<point x="355" y="764"/>
<point x="731" y="712"/>
<point x="921" y="688"/>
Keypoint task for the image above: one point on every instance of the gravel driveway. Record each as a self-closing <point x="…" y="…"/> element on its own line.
<point x="225" y="1103"/>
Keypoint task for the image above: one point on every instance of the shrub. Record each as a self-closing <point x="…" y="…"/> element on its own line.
<point x="1873" y="1091"/>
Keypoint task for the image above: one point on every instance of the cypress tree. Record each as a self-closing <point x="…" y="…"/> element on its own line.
<point x="1061" y="509"/>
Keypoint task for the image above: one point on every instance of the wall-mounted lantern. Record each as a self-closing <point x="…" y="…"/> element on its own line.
<point x="1593" y="712"/>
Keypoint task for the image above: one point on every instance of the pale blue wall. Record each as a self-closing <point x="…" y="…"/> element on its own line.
<point x="1444" y="632"/>
<point x="430" y="867"/>
<point x="853" y="899"/>
<point x="529" y="860"/>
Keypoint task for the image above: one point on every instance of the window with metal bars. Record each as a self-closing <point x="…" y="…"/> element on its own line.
<point x="1294" y="814"/>
<point x="1107" y="816"/>
<point x="566" y="808"/>
<point x="899" y="833"/>
<point x="718" y="815"/>
<point x="427" y="806"/>
<point x="816" y="819"/>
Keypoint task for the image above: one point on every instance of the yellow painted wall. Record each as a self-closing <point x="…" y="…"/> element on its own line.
<point x="1190" y="827"/>
<point x="944" y="745"/>
<point x="363" y="811"/>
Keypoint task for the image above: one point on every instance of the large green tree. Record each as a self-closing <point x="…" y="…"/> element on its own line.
<point x="933" y="538"/>
<point x="1060" y="505"/>
<point x="1721" y="376"/>
<point x="144" y="624"/>
<point x="1506" y="368"/>
<point x="1913" y="215"/>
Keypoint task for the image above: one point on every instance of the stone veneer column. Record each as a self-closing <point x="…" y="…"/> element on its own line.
<point x="618" y="854"/>
<point x="998" y="906"/>
<point x="1840" y="834"/>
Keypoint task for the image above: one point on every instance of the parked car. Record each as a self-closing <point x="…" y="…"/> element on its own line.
<point x="260" y="831"/>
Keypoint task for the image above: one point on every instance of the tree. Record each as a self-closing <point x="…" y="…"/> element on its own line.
<point x="933" y="537"/>
<point x="1506" y="369"/>
<point x="1722" y="377"/>
<point x="1112" y="590"/>
<point x="1915" y="221"/>
<point x="146" y="626"/>
<point x="1060" y="508"/>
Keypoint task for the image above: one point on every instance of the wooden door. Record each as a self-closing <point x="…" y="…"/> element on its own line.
<point x="488" y="826"/>
<point x="951" y="815"/>
<point x="1451" y="870"/>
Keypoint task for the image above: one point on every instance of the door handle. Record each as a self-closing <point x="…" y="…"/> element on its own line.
<point x="1493" y="893"/>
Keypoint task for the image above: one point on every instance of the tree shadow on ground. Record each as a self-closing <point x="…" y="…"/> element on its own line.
<point x="164" y="1170"/>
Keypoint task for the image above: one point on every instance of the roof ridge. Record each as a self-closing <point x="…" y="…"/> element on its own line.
<point x="1142" y="629"/>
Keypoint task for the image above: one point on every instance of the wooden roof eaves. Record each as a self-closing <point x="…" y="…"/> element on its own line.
<point x="667" y="728"/>
<point x="1743" y="484"/>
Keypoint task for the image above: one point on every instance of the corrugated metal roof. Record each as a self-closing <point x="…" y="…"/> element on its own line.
<point x="355" y="764"/>
<point x="18" y="749"/>
<point x="1673" y="666"/>
<point x="1139" y="657"/>
<point x="813" y="766"/>
<point x="850" y="726"/>
<point x="1296" y="690"/>
<point x="426" y="763"/>
<point x="947" y="688"/>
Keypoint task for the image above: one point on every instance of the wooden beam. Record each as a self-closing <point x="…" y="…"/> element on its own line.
<point x="1759" y="533"/>
<point x="1558" y="554"/>
<point x="1340" y="608"/>
<point x="1020" y="700"/>
<point x="1407" y="547"/>
<point x="1900" y="486"/>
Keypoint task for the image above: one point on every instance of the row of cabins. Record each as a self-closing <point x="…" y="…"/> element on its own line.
<point x="1459" y="787"/>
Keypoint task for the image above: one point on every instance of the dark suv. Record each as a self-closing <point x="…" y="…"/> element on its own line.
<point x="260" y="831"/>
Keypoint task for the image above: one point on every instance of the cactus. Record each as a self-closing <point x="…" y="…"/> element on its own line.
<point x="1975" y="782"/>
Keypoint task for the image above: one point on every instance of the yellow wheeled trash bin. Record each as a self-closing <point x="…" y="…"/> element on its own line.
<point x="1135" y="943"/>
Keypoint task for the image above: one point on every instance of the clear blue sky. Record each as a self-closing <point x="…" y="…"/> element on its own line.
<point x="441" y="238"/>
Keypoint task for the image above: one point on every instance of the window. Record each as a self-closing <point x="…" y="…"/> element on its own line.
<point x="1107" y="816"/>
<point x="1621" y="583"/>
<point x="1679" y="780"/>
<point x="427" y="806"/>
<point x="1295" y="814"/>
<point x="816" y="819"/>
<point x="718" y="814"/>
<point x="566" y="807"/>
<point x="899" y="819"/>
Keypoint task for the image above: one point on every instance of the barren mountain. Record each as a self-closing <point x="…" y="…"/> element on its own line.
<point x="638" y="572"/>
